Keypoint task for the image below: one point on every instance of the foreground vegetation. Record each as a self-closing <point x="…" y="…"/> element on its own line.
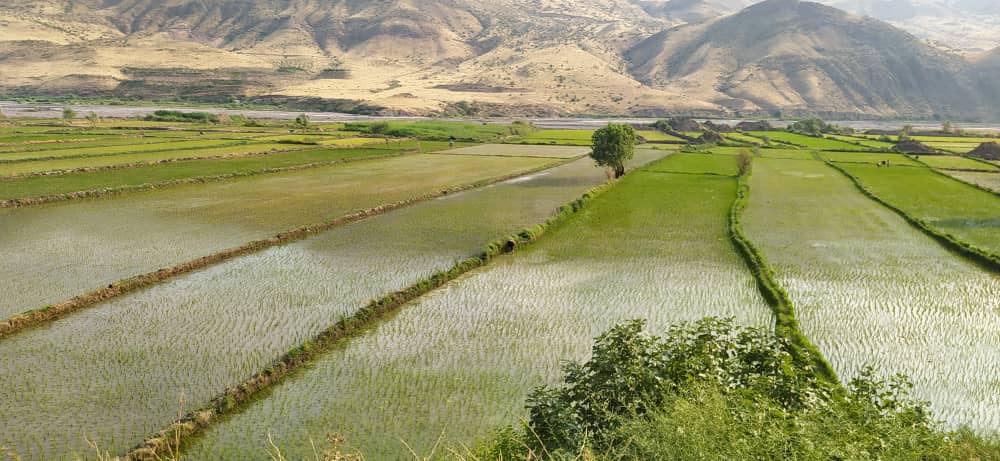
<point x="711" y="390"/>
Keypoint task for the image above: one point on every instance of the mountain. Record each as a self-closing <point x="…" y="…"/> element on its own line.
<point x="799" y="56"/>
<point x="514" y="57"/>
<point x="692" y="11"/>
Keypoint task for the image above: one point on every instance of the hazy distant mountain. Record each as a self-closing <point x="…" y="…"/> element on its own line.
<point x="509" y="56"/>
<point x="693" y="10"/>
<point x="786" y="54"/>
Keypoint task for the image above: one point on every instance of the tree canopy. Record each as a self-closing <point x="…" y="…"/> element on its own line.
<point x="613" y="145"/>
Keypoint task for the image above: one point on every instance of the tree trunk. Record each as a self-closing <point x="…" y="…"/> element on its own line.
<point x="619" y="171"/>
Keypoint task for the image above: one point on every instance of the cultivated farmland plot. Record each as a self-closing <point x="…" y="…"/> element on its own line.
<point x="460" y="361"/>
<point x="969" y="214"/>
<point x="740" y="137"/>
<point x="873" y="144"/>
<point x="517" y="150"/>
<point x="95" y="242"/>
<point x="955" y="147"/>
<point x="987" y="180"/>
<point x="114" y="372"/>
<point x="955" y="162"/>
<point x="809" y="141"/>
<point x="871" y="159"/>
<point x="871" y="289"/>
<point x="116" y="150"/>
<point x="41" y="186"/>
<point x="85" y="142"/>
<point x="40" y="166"/>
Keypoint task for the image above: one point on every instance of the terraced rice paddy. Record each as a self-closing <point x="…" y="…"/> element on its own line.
<point x="654" y="135"/>
<point x="871" y="289"/>
<point x="988" y="180"/>
<point x="953" y="147"/>
<point x="955" y="162"/>
<point x="969" y="214"/>
<point x="117" y="150"/>
<point x="723" y="165"/>
<point x="809" y="141"/>
<point x="868" y="287"/>
<point x="954" y="139"/>
<point x="740" y="137"/>
<point x="95" y="242"/>
<point x="515" y="150"/>
<point x="868" y="143"/>
<point x="460" y="361"/>
<point x="30" y="167"/>
<point x="114" y="372"/>
<point x="40" y="186"/>
<point x="88" y="142"/>
<point x="565" y="137"/>
<point x="870" y="158"/>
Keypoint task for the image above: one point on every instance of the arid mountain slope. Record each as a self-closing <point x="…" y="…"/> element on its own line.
<point x="791" y="55"/>
<point x="507" y="56"/>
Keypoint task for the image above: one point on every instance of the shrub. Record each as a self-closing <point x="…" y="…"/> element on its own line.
<point x="712" y="390"/>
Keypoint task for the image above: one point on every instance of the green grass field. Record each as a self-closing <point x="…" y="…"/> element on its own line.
<point x="213" y="328"/>
<point x="871" y="289"/>
<point x="969" y="214"/>
<point x="40" y="186"/>
<point x="105" y="240"/>
<point x="459" y="362"/>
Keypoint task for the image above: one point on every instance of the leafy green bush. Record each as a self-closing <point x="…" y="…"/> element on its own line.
<point x="811" y="127"/>
<point x="712" y="390"/>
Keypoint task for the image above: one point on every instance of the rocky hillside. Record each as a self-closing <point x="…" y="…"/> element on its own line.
<point x="531" y="57"/>
<point x="786" y="55"/>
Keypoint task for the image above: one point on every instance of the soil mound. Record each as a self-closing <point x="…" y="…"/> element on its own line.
<point x="913" y="147"/>
<point x="759" y="125"/>
<point x="987" y="151"/>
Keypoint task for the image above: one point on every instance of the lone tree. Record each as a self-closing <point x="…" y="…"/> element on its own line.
<point x="93" y="118"/>
<point x="613" y="146"/>
<point x="302" y="121"/>
<point x="68" y="115"/>
<point x="947" y="127"/>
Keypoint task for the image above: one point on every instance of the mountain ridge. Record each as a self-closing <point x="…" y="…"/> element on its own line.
<point x="508" y="57"/>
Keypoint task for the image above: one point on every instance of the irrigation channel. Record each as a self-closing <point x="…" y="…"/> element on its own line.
<point x="460" y="361"/>
<point x="869" y="288"/>
<point x="114" y="373"/>
<point x="93" y="243"/>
